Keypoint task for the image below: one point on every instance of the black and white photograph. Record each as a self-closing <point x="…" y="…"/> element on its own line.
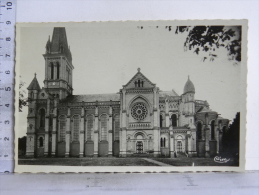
<point x="131" y="96"/>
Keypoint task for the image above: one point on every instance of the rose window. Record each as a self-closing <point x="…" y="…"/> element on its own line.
<point x="139" y="111"/>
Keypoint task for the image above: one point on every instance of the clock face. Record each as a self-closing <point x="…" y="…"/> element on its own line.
<point x="139" y="111"/>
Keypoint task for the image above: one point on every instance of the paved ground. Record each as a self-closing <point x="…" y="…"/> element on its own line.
<point x="112" y="161"/>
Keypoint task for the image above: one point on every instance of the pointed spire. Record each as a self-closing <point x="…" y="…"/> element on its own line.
<point x="34" y="84"/>
<point x="35" y="74"/>
<point x="59" y="42"/>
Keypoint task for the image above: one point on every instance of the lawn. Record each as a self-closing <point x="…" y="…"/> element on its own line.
<point x="86" y="161"/>
<point x="113" y="161"/>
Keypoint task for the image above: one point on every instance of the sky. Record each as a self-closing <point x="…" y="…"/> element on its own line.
<point x="107" y="55"/>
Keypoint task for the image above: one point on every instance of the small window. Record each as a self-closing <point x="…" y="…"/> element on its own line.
<point x="43" y="94"/>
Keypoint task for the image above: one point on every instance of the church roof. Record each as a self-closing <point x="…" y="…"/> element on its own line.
<point x="93" y="98"/>
<point x="34" y="84"/>
<point x="205" y="109"/>
<point x="189" y="86"/>
<point x="167" y="93"/>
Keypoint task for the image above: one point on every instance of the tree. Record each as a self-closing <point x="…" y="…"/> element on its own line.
<point x="231" y="137"/>
<point x="23" y="101"/>
<point x="211" y="38"/>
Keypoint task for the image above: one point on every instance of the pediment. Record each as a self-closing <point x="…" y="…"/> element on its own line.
<point x="139" y="81"/>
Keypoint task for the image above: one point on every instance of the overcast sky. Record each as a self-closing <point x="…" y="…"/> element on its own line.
<point x="107" y="55"/>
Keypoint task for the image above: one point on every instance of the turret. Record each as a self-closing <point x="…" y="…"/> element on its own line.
<point x="33" y="88"/>
<point x="188" y="98"/>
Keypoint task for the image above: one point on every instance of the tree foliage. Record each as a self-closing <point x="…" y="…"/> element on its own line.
<point x="211" y="38"/>
<point x="23" y="101"/>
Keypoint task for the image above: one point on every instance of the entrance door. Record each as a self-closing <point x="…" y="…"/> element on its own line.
<point x="139" y="147"/>
<point x="179" y="146"/>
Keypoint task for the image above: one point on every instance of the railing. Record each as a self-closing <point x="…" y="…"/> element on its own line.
<point x="140" y="125"/>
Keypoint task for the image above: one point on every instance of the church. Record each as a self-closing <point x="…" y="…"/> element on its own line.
<point x="137" y="120"/>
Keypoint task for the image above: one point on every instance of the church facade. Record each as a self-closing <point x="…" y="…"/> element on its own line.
<point x="138" y="120"/>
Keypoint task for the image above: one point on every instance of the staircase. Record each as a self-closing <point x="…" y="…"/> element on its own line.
<point x="181" y="155"/>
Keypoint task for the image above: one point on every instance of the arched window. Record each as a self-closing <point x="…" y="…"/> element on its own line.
<point x="32" y="95"/>
<point x="104" y="127"/>
<point x="161" y="142"/>
<point x="142" y="83"/>
<point x="52" y="70"/>
<point x="62" y="128"/>
<point x="42" y="117"/>
<point x="199" y="131"/>
<point x="138" y="83"/>
<point x="90" y="126"/>
<point x="212" y="128"/>
<point x="41" y="142"/>
<point x="161" y="120"/>
<point x="164" y="141"/>
<point x="174" y="120"/>
<point x="116" y="127"/>
<point x="58" y="67"/>
<point x="76" y="123"/>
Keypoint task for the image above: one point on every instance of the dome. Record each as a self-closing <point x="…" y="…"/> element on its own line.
<point x="189" y="87"/>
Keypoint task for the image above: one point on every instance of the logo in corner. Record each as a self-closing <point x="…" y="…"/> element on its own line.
<point x="218" y="159"/>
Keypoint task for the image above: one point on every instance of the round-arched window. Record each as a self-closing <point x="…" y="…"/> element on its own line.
<point x="139" y="111"/>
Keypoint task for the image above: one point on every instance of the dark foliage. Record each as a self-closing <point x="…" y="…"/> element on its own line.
<point x="22" y="145"/>
<point x="210" y="38"/>
<point x="230" y="139"/>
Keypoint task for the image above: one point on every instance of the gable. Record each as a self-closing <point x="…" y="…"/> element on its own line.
<point x="139" y="81"/>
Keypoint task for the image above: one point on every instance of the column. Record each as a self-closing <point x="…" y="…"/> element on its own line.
<point x="123" y="143"/>
<point x="207" y="139"/>
<point x="68" y="133"/>
<point x="110" y="132"/>
<point x="172" y="148"/>
<point x="167" y="122"/>
<point x="46" y="139"/>
<point x="189" y="143"/>
<point x="96" y="132"/>
<point x="155" y="109"/>
<point x="54" y="132"/>
<point x="156" y="143"/>
<point x="54" y="129"/>
<point x="81" y="135"/>
<point x="30" y="144"/>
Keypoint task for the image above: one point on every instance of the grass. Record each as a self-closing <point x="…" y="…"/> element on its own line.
<point x="105" y="161"/>
<point x="113" y="161"/>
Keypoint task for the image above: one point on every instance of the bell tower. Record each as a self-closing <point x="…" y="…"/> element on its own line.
<point x="58" y="65"/>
